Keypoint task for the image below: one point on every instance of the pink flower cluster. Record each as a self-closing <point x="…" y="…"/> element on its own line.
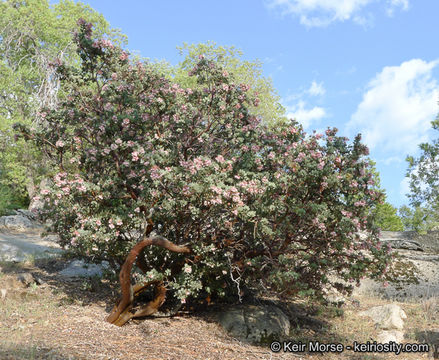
<point x="196" y="165"/>
<point x="252" y="187"/>
<point x="233" y="194"/>
<point x="220" y="159"/>
<point x="300" y="157"/>
<point x="245" y="87"/>
<point x="107" y="43"/>
<point x="360" y="203"/>
<point x="346" y="213"/>
<point x="156" y="173"/>
<point x="316" y="222"/>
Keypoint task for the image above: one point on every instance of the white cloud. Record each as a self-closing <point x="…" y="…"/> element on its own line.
<point x="298" y="108"/>
<point x="404" y="4"/>
<point x="404" y="188"/>
<point x="323" y="12"/>
<point x="304" y="115"/>
<point x="316" y="89"/>
<point x="393" y="159"/>
<point x="398" y="107"/>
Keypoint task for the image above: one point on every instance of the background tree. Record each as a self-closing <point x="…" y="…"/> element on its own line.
<point x="419" y="219"/>
<point x="423" y="174"/>
<point x="32" y="34"/>
<point x="384" y="215"/>
<point x="244" y="72"/>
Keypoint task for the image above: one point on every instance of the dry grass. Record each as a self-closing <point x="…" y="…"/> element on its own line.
<point x="431" y="308"/>
<point x="66" y="320"/>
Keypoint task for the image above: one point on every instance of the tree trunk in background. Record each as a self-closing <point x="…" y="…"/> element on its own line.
<point x="31" y="188"/>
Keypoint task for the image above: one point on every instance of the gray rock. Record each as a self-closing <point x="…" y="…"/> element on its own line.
<point x="29" y="214"/>
<point x="20" y="246"/>
<point x="422" y="257"/>
<point x="430" y="337"/>
<point x="78" y="268"/>
<point x="39" y="281"/>
<point x="427" y="267"/>
<point x="18" y="223"/>
<point x="51" y="238"/>
<point x="399" y="235"/>
<point x="36" y="205"/>
<point x="255" y="324"/>
<point x="337" y="300"/>
<point x="387" y="336"/>
<point x="403" y="244"/>
<point x="428" y="241"/>
<point x="26" y="278"/>
<point x="386" y="317"/>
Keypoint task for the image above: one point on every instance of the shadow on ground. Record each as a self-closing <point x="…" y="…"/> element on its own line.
<point x="11" y="351"/>
<point x="80" y="290"/>
<point x="308" y="321"/>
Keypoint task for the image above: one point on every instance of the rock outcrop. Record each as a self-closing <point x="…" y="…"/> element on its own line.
<point x="255" y="324"/>
<point x="78" y="268"/>
<point x="386" y="317"/>
<point x="430" y="337"/>
<point x="21" y="221"/>
<point x="390" y="319"/>
<point x="411" y="240"/>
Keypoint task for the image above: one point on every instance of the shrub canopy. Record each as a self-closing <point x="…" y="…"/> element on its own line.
<point x="262" y="209"/>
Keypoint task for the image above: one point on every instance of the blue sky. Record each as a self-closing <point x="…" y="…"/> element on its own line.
<point x="368" y="66"/>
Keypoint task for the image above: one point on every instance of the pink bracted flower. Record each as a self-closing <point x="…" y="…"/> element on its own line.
<point x="220" y="159"/>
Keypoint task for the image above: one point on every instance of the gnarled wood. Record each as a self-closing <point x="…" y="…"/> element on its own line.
<point x="148" y="309"/>
<point x="126" y="315"/>
<point x="121" y="313"/>
<point x="151" y="307"/>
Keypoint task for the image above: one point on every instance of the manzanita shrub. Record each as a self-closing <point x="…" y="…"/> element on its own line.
<point x="265" y="210"/>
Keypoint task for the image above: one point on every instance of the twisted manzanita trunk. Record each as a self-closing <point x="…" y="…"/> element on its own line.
<point x="121" y="313"/>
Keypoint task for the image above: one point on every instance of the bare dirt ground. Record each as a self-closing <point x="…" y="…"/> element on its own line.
<point x="64" y="319"/>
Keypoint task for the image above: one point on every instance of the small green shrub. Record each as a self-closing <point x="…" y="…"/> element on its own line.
<point x="11" y="200"/>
